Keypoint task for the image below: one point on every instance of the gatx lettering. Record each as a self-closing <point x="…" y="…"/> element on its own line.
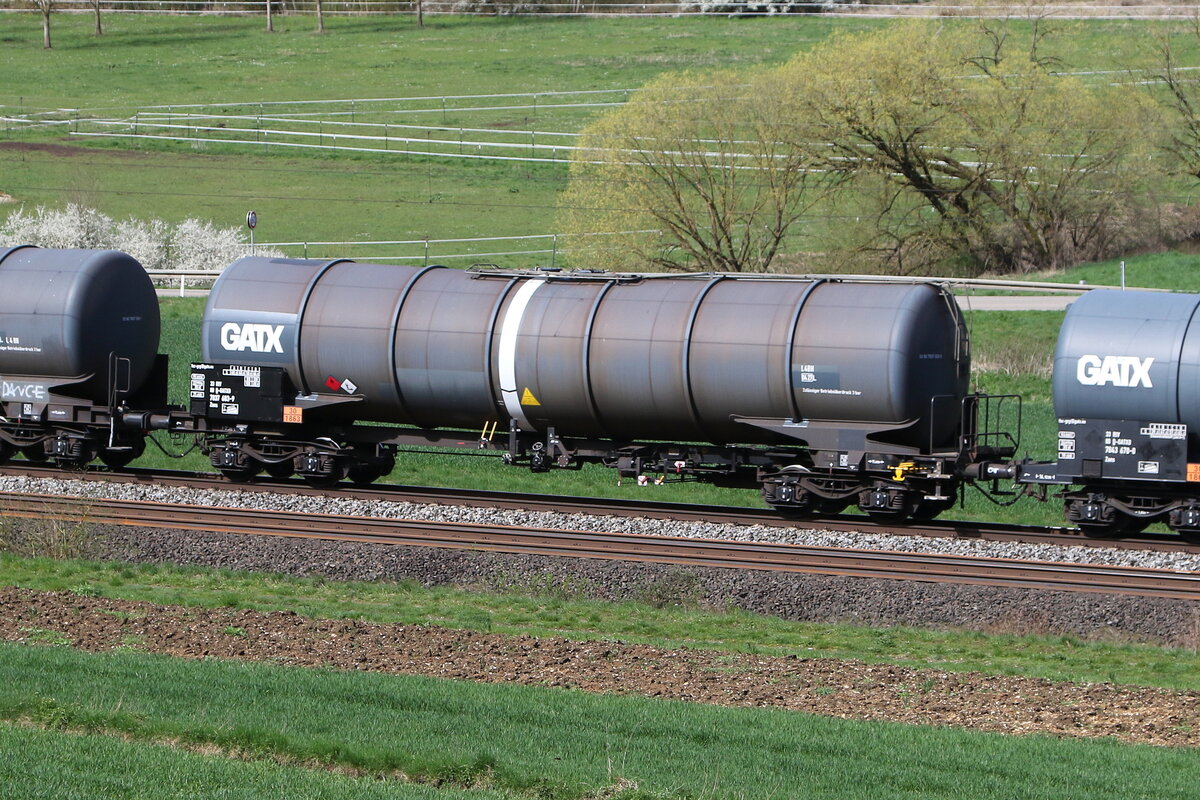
<point x="1128" y="371"/>
<point x="254" y="336"/>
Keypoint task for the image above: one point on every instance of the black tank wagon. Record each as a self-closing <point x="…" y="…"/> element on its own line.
<point x="79" y="335"/>
<point x="1127" y="398"/>
<point x="825" y="393"/>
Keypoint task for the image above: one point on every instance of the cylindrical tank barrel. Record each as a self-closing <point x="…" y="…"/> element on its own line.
<point x="63" y="313"/>
<point x="626" y="357"/>
<point x="1132" y="356"/>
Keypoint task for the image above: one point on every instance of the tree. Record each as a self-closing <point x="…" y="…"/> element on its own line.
<point x="970" y="151"/>
<point x="320" y="17"/>
<point x="691" y="173"/>
<point x="46" y="7"/>
<point x="96" y="9"/>
<point x="1182" y="103"/>
<point x="948" y="146"/>
<point x="270" y="19"/>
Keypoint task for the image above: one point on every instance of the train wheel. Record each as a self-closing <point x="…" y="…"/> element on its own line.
<point x="794" y="512"/>
<point x="827" y="507"/>
<point x="1119" y="525"/>
<point x="929" y="509"/>
<point x="243" y="474"/>
<point x="75" y="453"/>
<point x="35" y="453"/>
<point x="280" y="470"/>
<point x="888" y="516"/>
<point x="119" y="459"/>
<point x="326" y="481"/>
<point x="366" y="474"/>
<point x="1097" y="518"/>
<point x="886" y="505"/>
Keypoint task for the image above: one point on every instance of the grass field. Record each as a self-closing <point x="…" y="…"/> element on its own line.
<point x="544" y="743"/>
<point x="143" y="61"/>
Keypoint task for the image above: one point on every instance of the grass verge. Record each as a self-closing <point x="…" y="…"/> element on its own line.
<point x="669" y="617"/>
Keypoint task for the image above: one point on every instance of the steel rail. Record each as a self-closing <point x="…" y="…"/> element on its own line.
<point x="847" y="562"/>
<point x="686" y="512"/>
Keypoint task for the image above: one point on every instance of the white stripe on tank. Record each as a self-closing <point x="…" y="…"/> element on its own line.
<point x="507" y="355"/>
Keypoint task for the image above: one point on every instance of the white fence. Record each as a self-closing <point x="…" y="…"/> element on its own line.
<point x="490" y="8"/>
<point x="396" y="138"/>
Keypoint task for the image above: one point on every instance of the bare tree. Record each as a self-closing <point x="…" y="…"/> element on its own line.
<point x="96" y="8"/>
<point x="270" y="19"/>
<point x="420" y="14"/>
<point x="46" y="7"/>
<point x="1182" y="104"/>
<point x="320" y="17"/>
<point x="1013" y="167"/>
<point x="694" y="175"/>
<point x="941" y="157"/>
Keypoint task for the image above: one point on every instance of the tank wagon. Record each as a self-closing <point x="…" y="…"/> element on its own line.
<point x="1127" y="397"/>
<point x="79" y="335"/>
<point x="825" y="393"/>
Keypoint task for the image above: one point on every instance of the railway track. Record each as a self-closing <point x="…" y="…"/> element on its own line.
<point x="638" y="548"/>
<point x="998" y="532"/>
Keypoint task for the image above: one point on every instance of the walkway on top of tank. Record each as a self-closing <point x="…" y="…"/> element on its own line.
<point x="968" y="302"/>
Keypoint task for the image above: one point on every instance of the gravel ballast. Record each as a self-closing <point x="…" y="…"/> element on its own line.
<point x="276" y="501"/>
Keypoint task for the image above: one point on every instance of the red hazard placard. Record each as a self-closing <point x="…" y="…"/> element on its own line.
<point x="333" y="383"/>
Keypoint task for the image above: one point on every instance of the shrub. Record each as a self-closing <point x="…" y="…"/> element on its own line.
<point x="191" y="245"/>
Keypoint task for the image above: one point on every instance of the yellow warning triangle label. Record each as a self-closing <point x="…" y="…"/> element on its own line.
<point x="528" y="399"/>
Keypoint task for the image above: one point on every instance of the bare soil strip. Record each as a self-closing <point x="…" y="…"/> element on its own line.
<point x="828" y="687"/>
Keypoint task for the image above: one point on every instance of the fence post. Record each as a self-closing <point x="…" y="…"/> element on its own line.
<point x="553" y="249"/>
<point x="386" y="144"/>
<point x="306" y="249"/>
<point x="181" y="286"/>
<point x="426" y="252"/>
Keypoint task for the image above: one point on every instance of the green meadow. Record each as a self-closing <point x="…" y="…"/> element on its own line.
<point x="514" y="741"/>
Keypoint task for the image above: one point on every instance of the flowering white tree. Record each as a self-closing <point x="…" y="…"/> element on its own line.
<point x="191" y="245"/>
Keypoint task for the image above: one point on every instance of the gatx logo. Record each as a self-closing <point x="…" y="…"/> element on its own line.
<point x="1127" y="371"/>
<point x="255" y="336"/>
